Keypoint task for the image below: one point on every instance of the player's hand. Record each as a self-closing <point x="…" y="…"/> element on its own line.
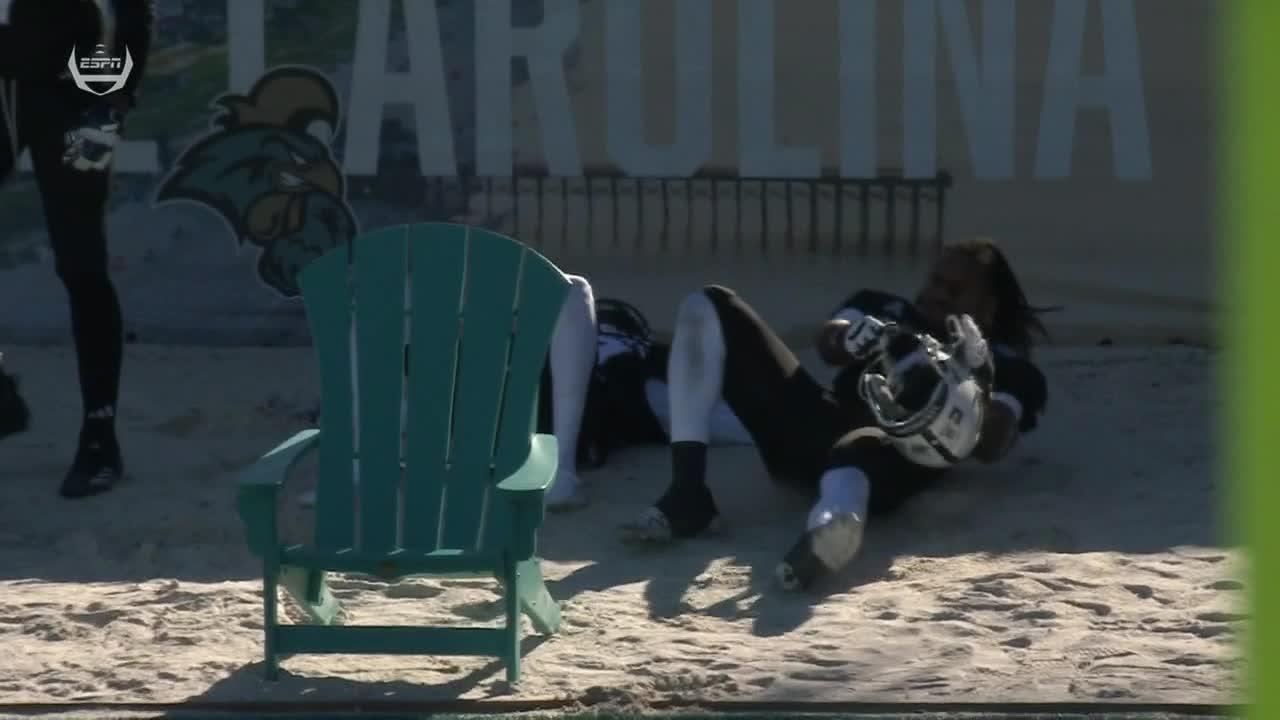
<point x="862" y="339"/>
<point x="91" y="145"/>
<point x="970" y="345"/>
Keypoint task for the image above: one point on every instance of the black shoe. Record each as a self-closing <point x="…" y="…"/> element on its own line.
<point x="15" y="417"/>
<point x="687" y="508"/>
<point x="655" y="527"/>
<point x="96" y="469"/>
<point x="819" y="552"/>
<point x="688" y="511"/>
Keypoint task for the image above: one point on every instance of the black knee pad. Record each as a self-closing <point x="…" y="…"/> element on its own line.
<point x="859" y="448"/>
<point x="893" y="478"/>
<point x="726" y="302"/>
<point x="718" y="293"/>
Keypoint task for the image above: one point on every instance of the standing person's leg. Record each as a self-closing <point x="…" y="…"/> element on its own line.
<point x="723" y="349"/>
<point x="571" y="360"/>
<point x="11" y="141"/>
<point x="75" y="205"/>
<point x="14" y="415"/>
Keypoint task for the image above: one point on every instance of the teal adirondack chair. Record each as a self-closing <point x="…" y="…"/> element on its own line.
<point x="465" y="497"/>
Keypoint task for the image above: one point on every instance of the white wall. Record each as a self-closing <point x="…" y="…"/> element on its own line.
<point x="1128" y="258"/>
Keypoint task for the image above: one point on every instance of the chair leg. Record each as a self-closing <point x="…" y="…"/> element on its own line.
<point x="535" y="600"/>
<point x="271" y="668"/>
<point x="511" y="600"/>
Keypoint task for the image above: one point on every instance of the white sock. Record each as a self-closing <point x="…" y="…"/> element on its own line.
<point x="842" y="491"/>
<point x="573" y="356"/>
<point x="724" y="428"/>
<point x="695" y="371"/>
<point x="836" y="522"/>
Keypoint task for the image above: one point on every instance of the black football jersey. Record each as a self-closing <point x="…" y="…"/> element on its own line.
<point x="1016" y="376"/>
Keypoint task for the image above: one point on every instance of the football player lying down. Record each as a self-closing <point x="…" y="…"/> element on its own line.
<point x="922" y="386"/>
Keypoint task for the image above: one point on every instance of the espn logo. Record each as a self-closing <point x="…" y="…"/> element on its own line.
<point x="100" y="68"/>
<point x="100" y="64"/>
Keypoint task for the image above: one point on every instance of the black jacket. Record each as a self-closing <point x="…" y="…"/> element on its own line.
<point x="39" y="36"/>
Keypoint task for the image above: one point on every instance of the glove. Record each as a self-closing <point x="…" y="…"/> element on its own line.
<point x="971" y="349"/>
<point x="970" y="346"/>
<point x="864" y="336"/>
<point x="91" y="145"/>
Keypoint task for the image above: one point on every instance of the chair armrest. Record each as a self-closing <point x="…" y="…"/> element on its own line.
<point x="524" y="490"/>
<point x="538" y="470"/>
<point x="270" y="470"/>
<point x="259" y="484"/>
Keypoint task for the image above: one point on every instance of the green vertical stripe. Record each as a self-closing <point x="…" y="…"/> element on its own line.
<point x="1249" y="193"/>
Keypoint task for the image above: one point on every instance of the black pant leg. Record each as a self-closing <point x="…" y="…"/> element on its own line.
<point x="75" y="209"/>
<point x="792" y="418"/>
<point x="893" y="479"/>
<point x="11" y="141"/>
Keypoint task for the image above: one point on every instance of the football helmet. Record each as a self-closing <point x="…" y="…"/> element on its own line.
<point x="930" y="397"/>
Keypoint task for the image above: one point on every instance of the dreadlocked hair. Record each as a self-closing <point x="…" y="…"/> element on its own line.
<point x="1016" y="321"/>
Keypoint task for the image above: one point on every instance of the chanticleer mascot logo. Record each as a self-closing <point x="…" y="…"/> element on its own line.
<point x="266" y="167"/>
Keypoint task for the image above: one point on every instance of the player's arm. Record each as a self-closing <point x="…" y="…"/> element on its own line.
<point x="849" y="338"/>
<point x="834" y="336"/>
<point x="855" y="327"/>
<point x="831" y="334"/>
<point x="135" y="22"/>
<point x="90" y="144"/>
<point x="830" y="342"/>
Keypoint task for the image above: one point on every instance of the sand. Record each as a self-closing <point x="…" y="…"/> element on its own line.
<point x="1088" y="566"/>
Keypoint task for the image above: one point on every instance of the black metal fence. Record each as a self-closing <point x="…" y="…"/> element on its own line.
<point x="715" y="211"/>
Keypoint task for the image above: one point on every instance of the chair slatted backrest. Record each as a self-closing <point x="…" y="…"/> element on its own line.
<point x="480" y="309"/>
